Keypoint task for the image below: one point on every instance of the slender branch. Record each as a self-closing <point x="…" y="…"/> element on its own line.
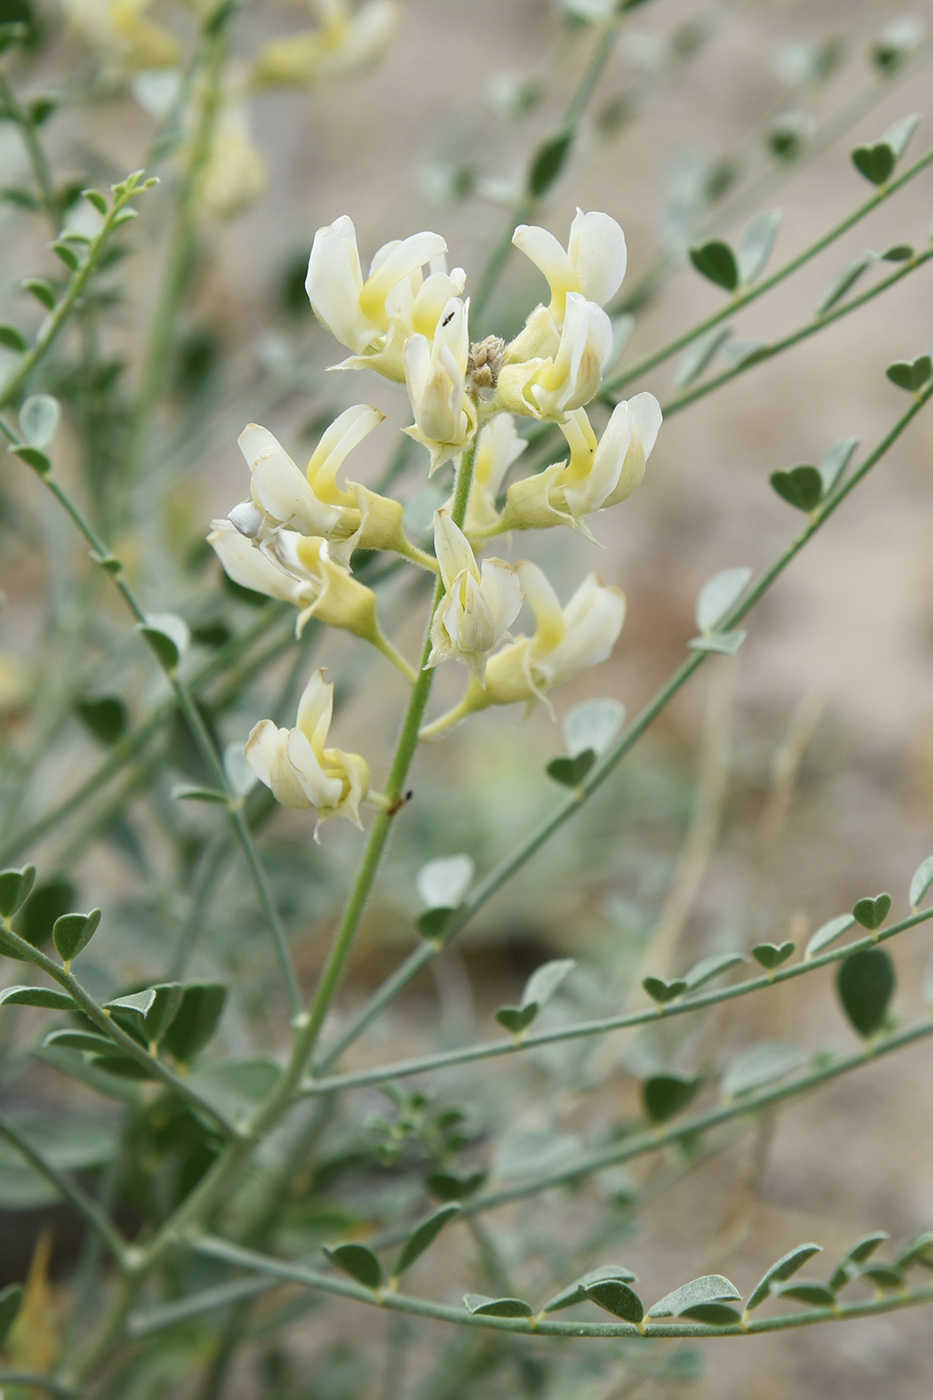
<point x="538" y="837"/>
<point x="52" y="1384"/>
<point x="69" y="1191"/>
<point x="40" y="166"/>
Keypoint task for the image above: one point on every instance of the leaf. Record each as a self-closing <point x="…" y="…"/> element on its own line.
<point x="37" y="996"/>
<point x="771" y="955"/>
<point x="898" y="136"/>
<point x="545" y="980"/>
<point x="818" y="1295"/>
<point x="592" y="725"/>
<point x="716" y="261"/>
<point x="443" y="883"/>
<point x="98" y="200"/>
<point x="446" y="1186"/>
<point x="422" y="1237"/>
<point x="860" y="1251"/>
<point x="725" y="643"/>
<point x="88" y="1072"/>
<point x="664" y="1095"/>
<point x="237" y="1088"/>
<point x="13" y="339"/>
<point x="617" y="1298"/>
<point x="33" y="458"/>
<point x="715" y="1314"/>
<point x="921" y="882"/>
<point x="865" y="983"/>
<point x="910" y="374"/>
<point x="882" y="1275"/>
<point x="780" y="1271"/>
<point x="757" y="244"/>
<point x="72" y="932"/>
<point x="481" y="1306"/>
<point x="105" y="716"/>
<point x="828" y="933"/>
<point x="801" y="487"/>
<point x="66" y="254"/>
<point x="433" y="922"/>
<point x="516" y="1019"/>
<point x="763" y="1064"/>
<point x="168" y="635"/>
<point x="196" y="1019"/>
<point x="141" y="1002"/>
<point x="86" y="1041"/>
<point x="871" y="913"/>
<point x="570" y="772"/>
<point x="711" y="1288"/>
<point x="190" y="792"/>
<point x="10" y="1299"/>
<point x="842" y="282"/>
<point x="548" y="161"/>
<point x="719" y="595"/>
<point x="48" y="901"/>
<point x="742" y="352"/>
<point x="66" y="1143"/>
<point x="42" y="290"/>
<point x="833" y="465"/>
<point x="708" y="968"/>
<point x="357" y="1261"/>
<point x="699" y="355"/>
<point x="915" y="1250"/>
<point x="875" y="162"/>
<point x="575" y="1292"/>
<point x="39" y="418"/>
<point x="662" y="991"/>
<point x="15" y="886"/>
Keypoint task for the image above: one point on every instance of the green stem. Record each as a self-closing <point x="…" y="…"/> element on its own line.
<point x="421" y="956"/>
<point x="494" y="1049"/>
<point x="52" y="1384"/>
<point x="40" y="166"/>
<point x="69" y="1191"/>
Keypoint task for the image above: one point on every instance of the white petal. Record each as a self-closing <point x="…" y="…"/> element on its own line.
<point x="598" y="255"/>
<point x="346" y="432"/>
<point x="547" y="254"/>
<point x="249" y="567"/>
<point x="502" y="590"/>
<point x="307" y="774"/>
<point x="315" y="709"/>
<point x="645" y="413"/>
<point x="334" y="283"/>
<point x="545" y="605"/>
<point x="452" y="550"/>
<point x="260" y="749"/>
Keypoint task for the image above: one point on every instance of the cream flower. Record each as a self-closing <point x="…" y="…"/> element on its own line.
<point x="299" y="571"/>
<point x="598" y="474"/>
<point x="359" y="314"/>
<point x="593" y="264"/>
<point x="300" y="771"/>
<point x="234" y="176"/>
<point x="497" y="447"/>
<point x="347" y="41"/>
<point x="117" y="30"/>
<point x="552" y="387"/>
<point x="478" y="605"/>
<point x="435" y="376"/>
<point x="311" y="503"/>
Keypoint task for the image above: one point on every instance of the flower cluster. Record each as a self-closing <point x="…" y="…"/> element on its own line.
<point x="294" y="536"/>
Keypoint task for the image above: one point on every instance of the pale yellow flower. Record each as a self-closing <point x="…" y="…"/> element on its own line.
<point x="435" y="376"/>
<point x="552" y="386"/>
<point x="593" y="264"/>
<point x="347" y="41"/>
<point x="478" y="605"/>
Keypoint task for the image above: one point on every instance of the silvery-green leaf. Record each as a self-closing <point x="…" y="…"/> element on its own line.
<point x="592" y="725"/>
<point x="711" y="1288"/>
<point x="828" y="933"/>
<point x="898" y="136"/>
<point x="482" y="1306"/>
<point x="833" y="465"/>
<point x="737" y="352"/>
<point x="921" y="882"/>
<point x="708" y="968"/>
<point x="168" y="635"/>
<point x="780" y="1271"/>
<point x="843" y="281"/>
<point x="762" y="1064"/>
<point x="574" y="1293"/>
<point x="758" y="243"/>
<point x="156" y="90"/>
<point x="136" y="1001"/>
<point x="442" y="883"/>
<point x="545" y="980"/>
<point x="698" y="355"/>
<point x="39" y="418"/>
<point x="239" y="774"/>
<point x="719" y="595"/>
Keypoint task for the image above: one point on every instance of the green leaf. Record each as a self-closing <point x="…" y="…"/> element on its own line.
<point x="711" y="1288"/>
<point x="190" y="792"/>
<point x="617" y="1298"/>
<point x="47" y="997"/>
<point x="842" y="282"/>
<point x="545" y="980"/>
<point x="875" y="162"/>
<point x="763" y="1064"/>
<point x="882" y="1275"/>
<point x="235" y="1088"/>
<point x="481" y="1306"/>
<point x="140" y="1002"/>
<point x="516" y="1019"/>
<point x="570" y="772"/>
<point x="805" y="1290"/>
<point x="33" y="458"/>
<point x="432" y="923"/>
<point x="664" y="1095"/>
<point x="709" y="968"/>
<point x="47" y="902"/>
<point x="357" y="1261"/>
<point x="828" y="933"/>
<point x="898" y="252"/>
<point x="447" y="1186"/>
<point x="848" y="1267"/>
<point x="742" y="352"/>
<point x="168" y="635"/>
<point x="12" y="338"/>
<point x="40" y="109"/>
<point x="921" y="882"/>
<point x="548" y="162"/>
<point x="719" y="595"/>
<point x="715" y="1314"/>
<point x="10" y="1299"/>
<point x="89" y="1073"/>
<point x="575" y="1292"/>
<point x="757" y="245"/>
<point x="871" y="913"/>
<point x="66" y="254"/>
<point x="771" y="955"/>
<point x="865" y="983"/>
<point x="910" y="374"/>
<point x="593" y="725"/>
<point x="918" y="1249"/>
<point x="716" y="261"/>
<point x="663" y="991"/>
<point x="422" y="1237"/>
<point x="42" y="290"/>
<point x="723" y="643"/>
<point x="196" y="1019"/>
<point x="105" y="716"/>
<point x="780" y="1271"/>
<point x="698" y="356"/>
<point x="801" y="487"/>
<point x="443" y="883"/>
<point x="15" y="886"/>
<point x="85" y="1041"/>
<point x="98" y="200"/>
<point x="72" y="932"/>
<point x="834" y="464"/>
<point x="898" y="136"/>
